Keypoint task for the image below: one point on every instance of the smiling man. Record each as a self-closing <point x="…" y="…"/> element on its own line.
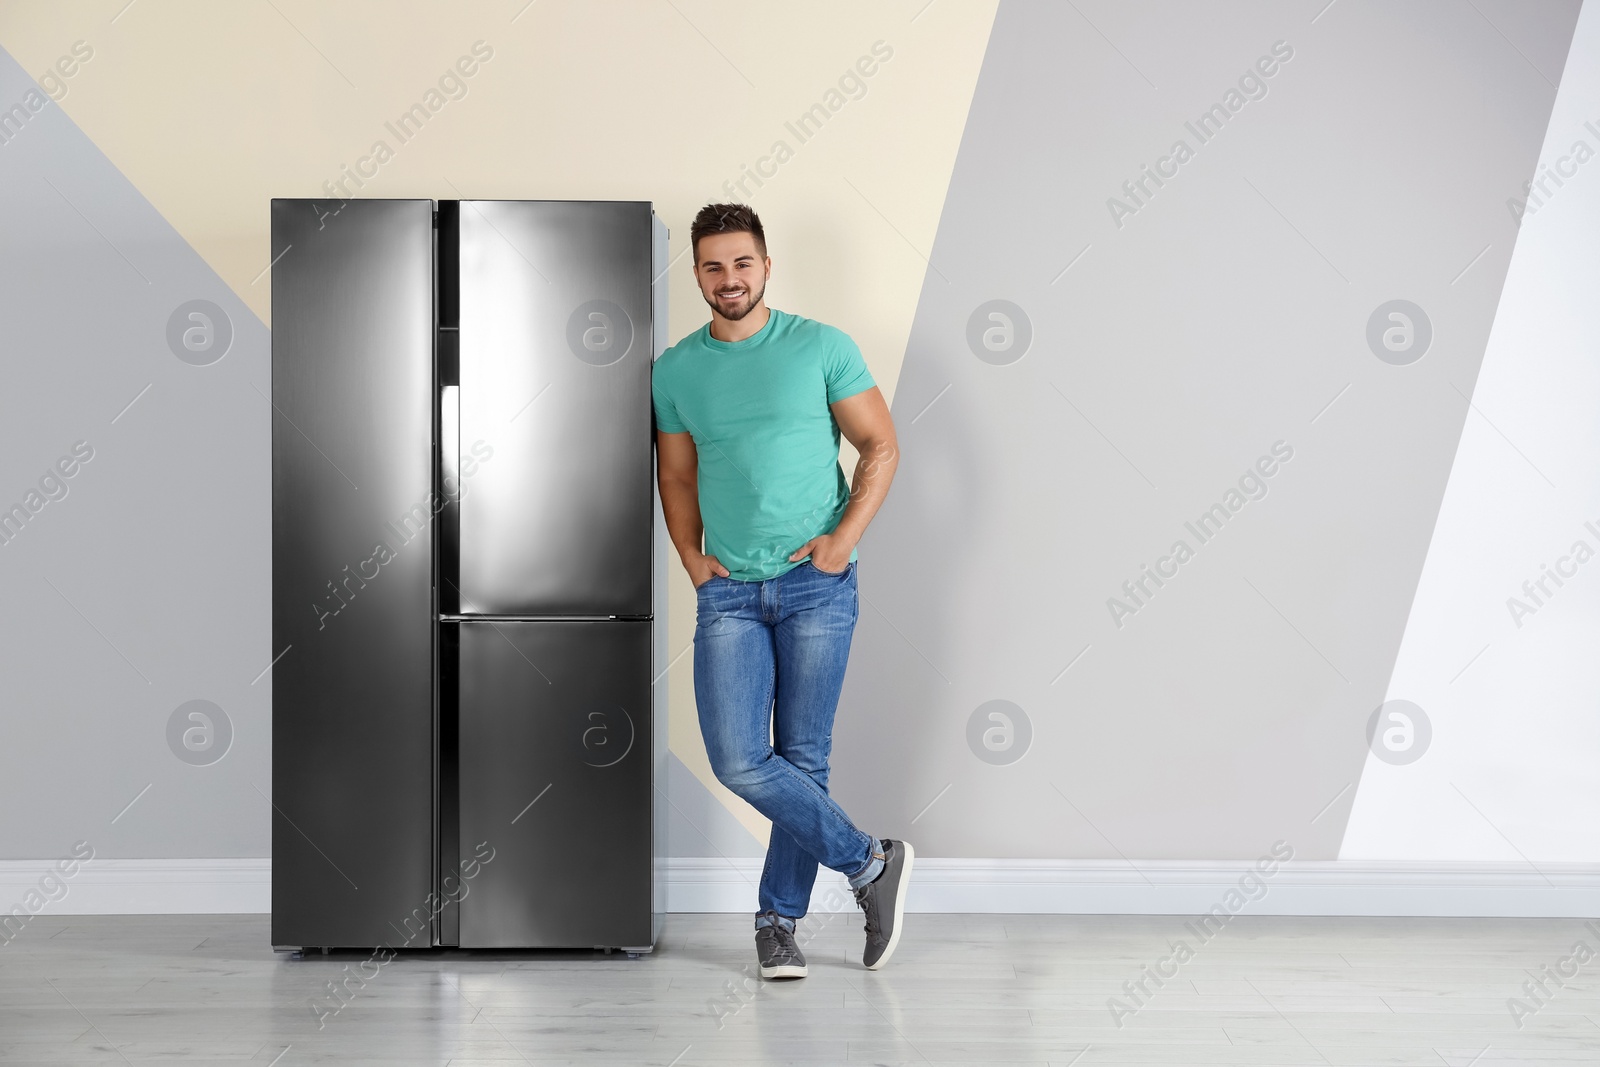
<point x="749" y="410"/>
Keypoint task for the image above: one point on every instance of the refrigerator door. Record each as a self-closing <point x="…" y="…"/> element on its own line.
<point x="556" y="347"/>
<point x="352" y="583"/>
<point x="555" y="814"/>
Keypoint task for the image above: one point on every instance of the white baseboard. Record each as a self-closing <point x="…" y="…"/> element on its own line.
<point x="139" y="887"/>
<point x="1090" y="887"/>
<point x="1179" y="887"/>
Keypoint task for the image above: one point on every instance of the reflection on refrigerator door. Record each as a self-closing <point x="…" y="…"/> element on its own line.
<point x="352" y="704"/>
<point x="554" y="734"/>
<point x="556" y="333"/>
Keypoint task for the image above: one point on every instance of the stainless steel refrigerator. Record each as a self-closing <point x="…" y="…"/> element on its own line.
<point x="468" y="571"/>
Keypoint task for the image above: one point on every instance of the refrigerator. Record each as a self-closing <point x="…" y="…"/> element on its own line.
<point x="468" y="575"/>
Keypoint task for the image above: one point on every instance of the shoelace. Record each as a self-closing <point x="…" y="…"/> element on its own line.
<point x="867" y="901"/>
<point x="784" y="944"/>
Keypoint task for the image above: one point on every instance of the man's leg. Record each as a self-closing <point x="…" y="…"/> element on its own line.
<point x="735" y="669"/>
<point x="817" y="615"/>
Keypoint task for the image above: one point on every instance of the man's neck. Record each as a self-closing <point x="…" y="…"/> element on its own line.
<point x="724" y="329"/>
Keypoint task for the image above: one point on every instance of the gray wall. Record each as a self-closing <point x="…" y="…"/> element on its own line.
<point x="1172" y="347"/>
<point x="147" y="585"/>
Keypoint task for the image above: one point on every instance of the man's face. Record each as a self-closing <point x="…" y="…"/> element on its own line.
<point x="732" y="273"/>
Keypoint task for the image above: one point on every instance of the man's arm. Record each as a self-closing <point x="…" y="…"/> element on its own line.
<point x="865" y="422"/>
<point x="678" y="472"/>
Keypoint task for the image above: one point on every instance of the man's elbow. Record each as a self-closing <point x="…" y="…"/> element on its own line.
<point x="671" y="479"/>
<point x="880" y="449"/>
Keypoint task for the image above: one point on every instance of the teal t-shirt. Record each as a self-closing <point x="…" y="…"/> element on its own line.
<point x="767" y="442"/>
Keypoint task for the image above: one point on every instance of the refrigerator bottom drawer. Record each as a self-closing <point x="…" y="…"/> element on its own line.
<point x="554" y="744"/>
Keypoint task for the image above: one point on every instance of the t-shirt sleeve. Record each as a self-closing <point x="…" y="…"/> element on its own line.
<point x="667" y="420"/>
<point x="843" y="368"/>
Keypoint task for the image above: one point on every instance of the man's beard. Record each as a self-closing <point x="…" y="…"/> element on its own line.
<point x="739" y="311"/>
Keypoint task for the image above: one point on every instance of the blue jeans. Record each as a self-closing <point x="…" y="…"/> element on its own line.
<point x="769" y="660"/>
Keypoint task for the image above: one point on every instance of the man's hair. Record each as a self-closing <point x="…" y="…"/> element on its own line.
<point x="727" y="218"/>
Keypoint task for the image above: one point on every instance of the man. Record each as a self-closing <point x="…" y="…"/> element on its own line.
<point x="749" y="410"/>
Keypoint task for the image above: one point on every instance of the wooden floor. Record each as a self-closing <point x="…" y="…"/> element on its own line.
<point x="970" y="989"/>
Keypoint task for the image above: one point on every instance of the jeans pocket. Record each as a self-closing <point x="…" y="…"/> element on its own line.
<point x="831" y="574"/>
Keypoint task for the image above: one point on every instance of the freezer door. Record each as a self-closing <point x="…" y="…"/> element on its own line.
<point x="556" y="332"/>
<point x="352" y="615"/>
<point x="555" y="747"/>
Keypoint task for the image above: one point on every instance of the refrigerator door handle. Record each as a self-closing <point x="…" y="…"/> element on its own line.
<point x="450" y="499"/>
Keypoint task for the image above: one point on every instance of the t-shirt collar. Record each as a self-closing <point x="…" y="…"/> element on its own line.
<point x="749" y="342"/>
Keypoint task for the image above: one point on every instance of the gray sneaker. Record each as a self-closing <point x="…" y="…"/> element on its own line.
<point x="884" y="901"/>
<point x="780" y="957"/>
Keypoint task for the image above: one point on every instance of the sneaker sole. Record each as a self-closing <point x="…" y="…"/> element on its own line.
<point x="784" y="970"/>
<point x="899" y="907"/>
